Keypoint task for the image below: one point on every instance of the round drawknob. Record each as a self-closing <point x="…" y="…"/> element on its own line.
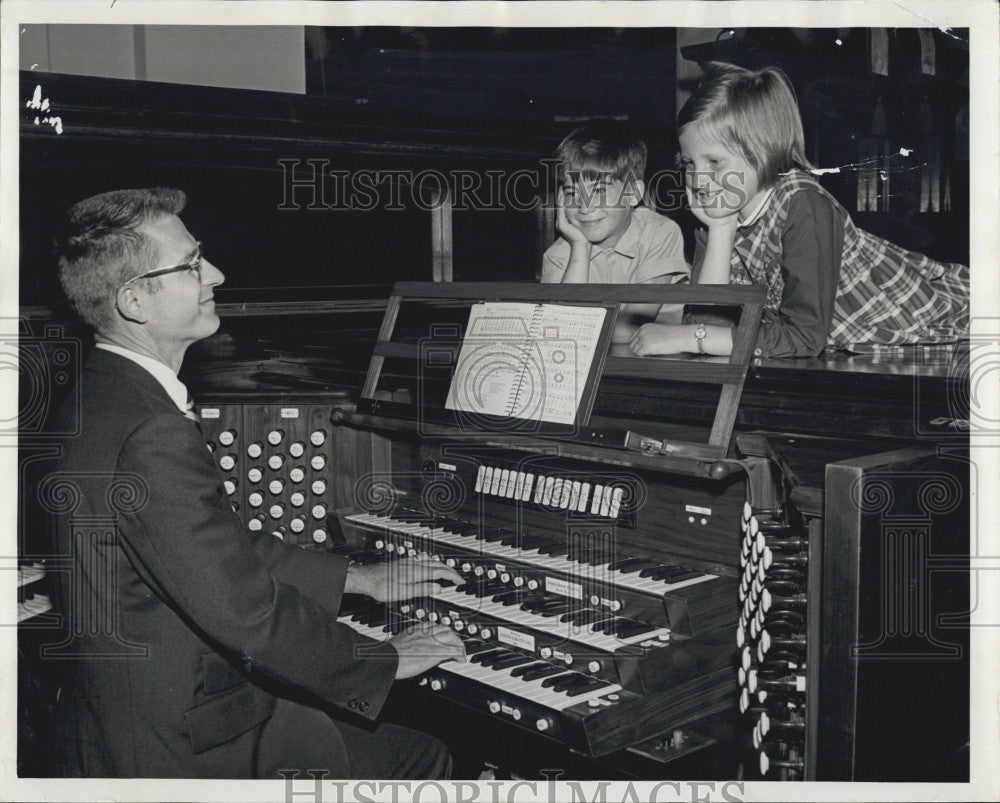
<point x="450" y="563"/>
<point x="594" y="666"/>
<point x="319" y="487"/>
<point x="545" y="652"/>
<point x="230" y="486"/>
<point x="275" y="462"/>
<point x="437" y="684"/>
<point x="567" y="659"/>
<point x="319" y="536"/>
<point x="255" y="450"/>
<point x="227" y="462"/>
<point x="494" y="707"/>
<point x="533" y="584"/>
<point x="516" y="714"/>
<point x="297" y="499"/>
<point x="297" y="524"/>
<point x="226" y="438"/>
<point x="505" y="578"/>
<point x="276" y="486"/>
<point x="255" y="499"/>
<point x="318" y="437"/>
<point x="319" y="511"/>
<point x="473" y="628"/>
<point x="542" y="724"/>
<point x="274" y="436"/>
<point x="317" y="461"/>
<point x="486" y="634"/>
<point x="296" y="474"/>
<point x="256" y="523"/>
<point x="255" y="474"/>
<point x="276" y="511"/>
<point x="296" y="449"/>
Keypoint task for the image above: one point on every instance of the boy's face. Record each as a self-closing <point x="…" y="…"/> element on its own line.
<point x="600" y="208"/>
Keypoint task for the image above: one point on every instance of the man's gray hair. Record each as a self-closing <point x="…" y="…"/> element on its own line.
<point x="102" y="247"/>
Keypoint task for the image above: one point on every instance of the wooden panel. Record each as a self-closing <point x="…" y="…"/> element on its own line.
<point x="895" y="591"/>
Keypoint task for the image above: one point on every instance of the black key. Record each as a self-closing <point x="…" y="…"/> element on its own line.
<point x="627" y="564"/>
<point x="572" y="614"/>
<point x="480" y="656"/>
<point x="556" y="610"/>
<point x="524" y="669"/>
<point x="638" y="566"/>
<point x="577" y="681"/>
<point x="549" y="682"/>
<point x="598" y="625"/>
<point x="515" y="660"/>
<point x="472" y="647"/>
<point x="620" y="562"/>
<point x="629" y="629"/>
<point x="491" y="658"/>
<point x="584" y="616"/>
<point x="649" y="571"/>
<point x="594" y="683"/>
<point x="509" y="597"/>
<point x="545" y="672"/>
<point x="529" y="541"/>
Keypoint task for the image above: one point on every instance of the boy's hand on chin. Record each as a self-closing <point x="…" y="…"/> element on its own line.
<point x="570" y="232"/>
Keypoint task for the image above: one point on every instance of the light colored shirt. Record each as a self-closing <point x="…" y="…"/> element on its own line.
<point x="650" y="250"/>
<point x="176" y="390"/>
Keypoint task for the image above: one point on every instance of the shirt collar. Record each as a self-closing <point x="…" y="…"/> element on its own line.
<point x="176" y="390"/>
<point x="760" y="209"/>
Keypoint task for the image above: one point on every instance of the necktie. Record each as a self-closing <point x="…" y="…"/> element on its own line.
<point x="189" y="410"/>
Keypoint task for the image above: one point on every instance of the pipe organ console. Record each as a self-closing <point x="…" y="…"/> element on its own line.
<point x="635" y="580"/>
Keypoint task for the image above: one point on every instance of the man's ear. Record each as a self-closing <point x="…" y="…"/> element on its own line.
<point x="130" y="305"/>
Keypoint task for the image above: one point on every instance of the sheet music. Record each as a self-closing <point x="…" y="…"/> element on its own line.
<point x="523" y="360"/>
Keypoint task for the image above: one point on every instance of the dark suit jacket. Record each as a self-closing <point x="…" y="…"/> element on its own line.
<point x="183" y="624"/>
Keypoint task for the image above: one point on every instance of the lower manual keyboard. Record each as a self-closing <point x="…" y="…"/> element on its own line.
<point x="588" y="714"/>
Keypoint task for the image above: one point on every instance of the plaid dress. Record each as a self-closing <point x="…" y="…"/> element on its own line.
<point x="885" y="296"/>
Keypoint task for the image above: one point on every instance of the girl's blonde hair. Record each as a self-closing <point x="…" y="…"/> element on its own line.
<point x="753" y="113"/>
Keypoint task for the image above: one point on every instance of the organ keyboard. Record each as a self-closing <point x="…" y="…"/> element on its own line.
<point x="600" y="582"/>
<point x="588" y="563"/>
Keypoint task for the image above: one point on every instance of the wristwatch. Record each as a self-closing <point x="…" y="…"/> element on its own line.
<point x="699" y="336"/>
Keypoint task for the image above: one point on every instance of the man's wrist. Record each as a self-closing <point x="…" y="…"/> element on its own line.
<point x="354" y="580"/>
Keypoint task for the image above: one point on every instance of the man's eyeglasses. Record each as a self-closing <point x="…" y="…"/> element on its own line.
<point x="193" y="265"/>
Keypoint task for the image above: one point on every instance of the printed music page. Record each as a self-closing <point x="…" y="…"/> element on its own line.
<point x="522" y="360"/>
